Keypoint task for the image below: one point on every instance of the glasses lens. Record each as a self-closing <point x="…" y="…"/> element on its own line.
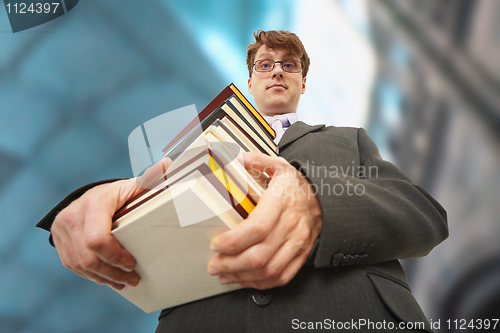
<point x="264" y="65"/>
<point x="292" y="66"/>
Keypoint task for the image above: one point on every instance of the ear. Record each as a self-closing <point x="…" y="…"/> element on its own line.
<point x="303" y="85"/>
<point x="250" y="85"/>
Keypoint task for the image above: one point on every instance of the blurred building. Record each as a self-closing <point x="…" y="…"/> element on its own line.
<point x="436" y="114"/>
<point x="72" y="90"/>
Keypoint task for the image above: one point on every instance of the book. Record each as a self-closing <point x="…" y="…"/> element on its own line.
<point x="226" y="135"/>
<point x="225" y="110"/>
<point x="231" y="179"/>
<point x="253" y="184"/>
<point x="242" y="111"/>
<point x="172" y="258"/>
<point x="244" y="129"/>
<point x="260" y="125"/>
<point x="168" y="226"/>
<point x="238" y="132"/>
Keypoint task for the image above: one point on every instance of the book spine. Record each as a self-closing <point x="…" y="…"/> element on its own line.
<point x="235" y="109"/>
<point x="223" y="127"/>
<point x="223" y="95"/>
<point x="253" y="111"/>
<point x="248" y="137"/>
<point x="241" y="202"/>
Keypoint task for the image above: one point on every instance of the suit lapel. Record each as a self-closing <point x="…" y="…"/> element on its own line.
<point x="296" y="131"/>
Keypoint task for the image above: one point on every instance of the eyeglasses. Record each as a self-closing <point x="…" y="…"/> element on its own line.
<point x="267" y="65"/>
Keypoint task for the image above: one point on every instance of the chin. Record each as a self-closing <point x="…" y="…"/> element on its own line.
<point x="277" y="104"/>
<point x="277" y="111"/>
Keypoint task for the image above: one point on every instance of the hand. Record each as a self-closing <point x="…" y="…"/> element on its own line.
<point x="271" y="245"/>
<point x="82" y="231"/>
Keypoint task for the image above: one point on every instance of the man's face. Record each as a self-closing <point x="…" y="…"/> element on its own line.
<point x="276" y="92"/>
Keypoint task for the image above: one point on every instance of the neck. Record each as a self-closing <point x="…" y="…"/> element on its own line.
<point x="275" y="113"/>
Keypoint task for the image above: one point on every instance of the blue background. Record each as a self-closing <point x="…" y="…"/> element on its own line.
<point x="72" y="90"/>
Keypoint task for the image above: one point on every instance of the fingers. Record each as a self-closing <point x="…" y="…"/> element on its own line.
<point x="106" y="248"/>
<point x="265" y="260"/>
<point x="97" y="235"/>
<point x="253" y="258"/>
<point x="254" y="229"/>
<point x="93" y="268"/>
<point x="232" y="270"/>
<point x="100" y="280"/>
<point x="263" y="218"/>
<point x="282" y="279"/>
<point x="83" y="239"/>
<point x="269" y="276"/>
<point x="154" y="174"/>
<point x="84" y="262"/>
<point x="269" y="247"/>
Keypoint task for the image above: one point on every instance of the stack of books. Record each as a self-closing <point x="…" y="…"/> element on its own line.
<point x="168" y="226"/>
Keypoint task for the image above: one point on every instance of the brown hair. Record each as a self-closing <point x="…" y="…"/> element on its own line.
<point x="276" y="39"/>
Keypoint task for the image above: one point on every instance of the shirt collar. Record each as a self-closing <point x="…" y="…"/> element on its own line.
<point x="292" y="118"/>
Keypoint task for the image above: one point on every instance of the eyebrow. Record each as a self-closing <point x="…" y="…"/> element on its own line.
<point x="269" y="56"/>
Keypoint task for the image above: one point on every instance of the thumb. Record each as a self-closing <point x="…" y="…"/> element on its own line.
<point x="155" y="174"/>
<point x="126" y="191"/>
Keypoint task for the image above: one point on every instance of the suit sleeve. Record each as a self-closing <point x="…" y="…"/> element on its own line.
<point x="46" y="222"/>
<point x="384" y="217"/>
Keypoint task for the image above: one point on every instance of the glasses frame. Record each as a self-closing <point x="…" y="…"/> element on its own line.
<point x="274" y="65"/>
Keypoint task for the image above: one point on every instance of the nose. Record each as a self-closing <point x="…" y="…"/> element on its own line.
<point x="278" y="69"/>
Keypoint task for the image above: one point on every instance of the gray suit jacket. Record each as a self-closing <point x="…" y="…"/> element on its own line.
<point x="372" y="216"/>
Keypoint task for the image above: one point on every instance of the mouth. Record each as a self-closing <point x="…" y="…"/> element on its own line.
<point x="277" y="86"/>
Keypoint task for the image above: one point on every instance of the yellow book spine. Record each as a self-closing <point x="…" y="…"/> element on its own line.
<point x="252" y="109"/>
<point x="231" y="186"/>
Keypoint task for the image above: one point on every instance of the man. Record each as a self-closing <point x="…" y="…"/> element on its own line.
<point x="319" y="249"/>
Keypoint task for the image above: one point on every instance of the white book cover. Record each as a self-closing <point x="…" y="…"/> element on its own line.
<point x="169" y="237"/>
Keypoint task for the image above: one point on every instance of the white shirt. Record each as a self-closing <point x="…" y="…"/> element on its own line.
<point x="291" y="117"/>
